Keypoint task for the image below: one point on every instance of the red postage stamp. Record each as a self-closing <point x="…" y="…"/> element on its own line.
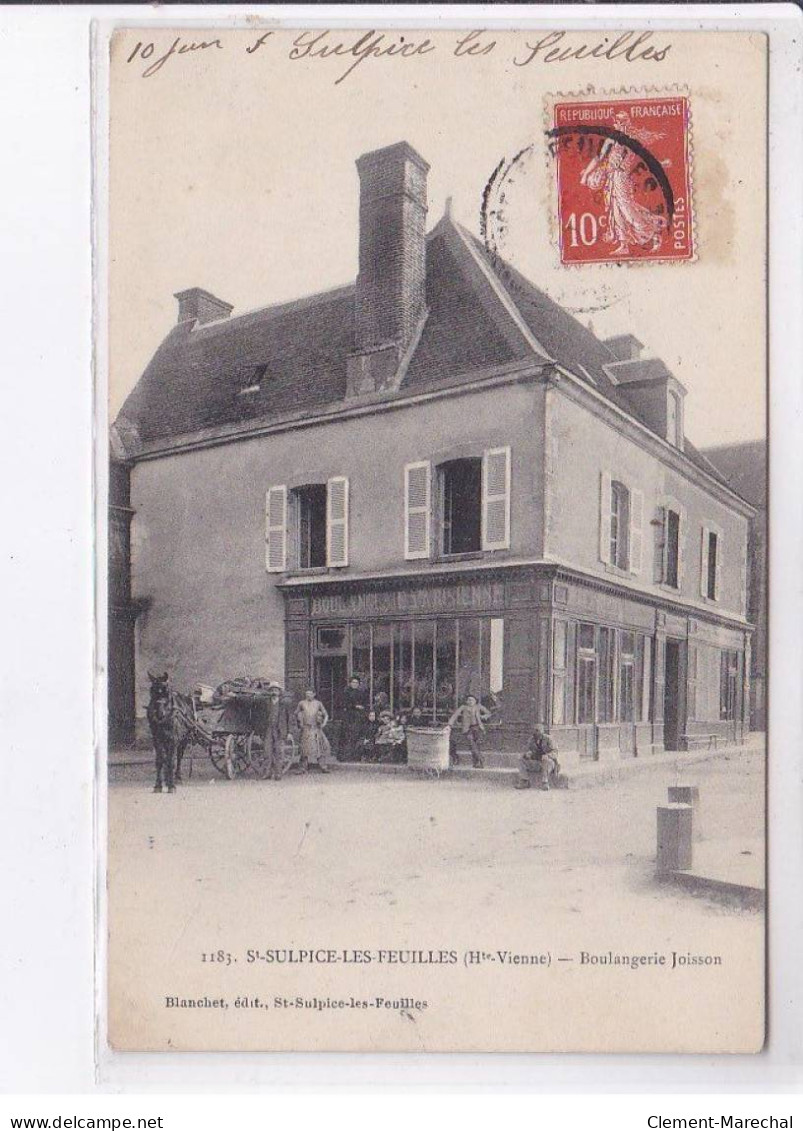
<point x="623" y="180"/>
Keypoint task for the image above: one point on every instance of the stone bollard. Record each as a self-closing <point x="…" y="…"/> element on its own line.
<point x="674" y="838"/>
<point x="688" y="795"/>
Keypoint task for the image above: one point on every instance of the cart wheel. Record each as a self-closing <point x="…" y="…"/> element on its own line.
<point x="186" y="764"/>
<point x="255" y="754"/>
<point x="230" y="758"/>
<point x="431" y="773"/>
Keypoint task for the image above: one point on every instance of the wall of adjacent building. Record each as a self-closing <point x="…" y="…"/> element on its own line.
<point x="580" y="447"/>
<point x="210" y="609"/>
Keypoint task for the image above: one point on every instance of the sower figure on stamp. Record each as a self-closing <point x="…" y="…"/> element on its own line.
<point x="539" y="763"/>
<point x="312" y="717"/>
<point x="277" y="728"/>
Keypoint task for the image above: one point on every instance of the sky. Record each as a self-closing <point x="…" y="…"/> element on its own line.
<point x="235" y="171"/>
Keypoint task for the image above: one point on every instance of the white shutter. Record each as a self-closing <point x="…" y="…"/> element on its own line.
<point x="605" y="516"/>
<point x="636" y="529"/>
<point x="337" y="521"/>
<point x="704" y="562"/>
<point x="417" y="493"/>
<point x="276" y="529"/>
<point x="496" y="499"/>
<point x="718" y="570"/>
<point x="681" y="540"/>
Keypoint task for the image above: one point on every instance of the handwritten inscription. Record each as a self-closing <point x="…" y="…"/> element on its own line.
<point x="346" y="52"/>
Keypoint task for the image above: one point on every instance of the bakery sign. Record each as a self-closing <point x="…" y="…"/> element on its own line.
<point x="455" y="598"/>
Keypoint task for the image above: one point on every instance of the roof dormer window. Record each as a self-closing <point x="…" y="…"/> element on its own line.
<point x="254" y="381"/>
<point x="674" y="419"/>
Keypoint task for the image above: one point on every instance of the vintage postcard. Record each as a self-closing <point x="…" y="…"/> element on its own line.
<point x="437" y="527"/>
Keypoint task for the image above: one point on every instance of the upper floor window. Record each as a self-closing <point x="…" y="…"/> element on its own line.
<point x="674" y="420"/>
<point x="668" y="547"/>
<point x="472" y="511"/>
<point x="620" y="525"/>
<point x="307" y="527"/>
<point x="310" y="503"/>
<point x="710" y="564"/>
<point x="620" y="531"/>
<point x="460" y="493"/>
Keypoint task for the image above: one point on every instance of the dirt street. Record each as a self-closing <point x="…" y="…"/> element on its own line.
<point x="367" y="861"/>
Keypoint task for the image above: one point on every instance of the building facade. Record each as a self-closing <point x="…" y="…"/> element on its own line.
<point x="439" y="480"/>
<point x="744" y="467"/>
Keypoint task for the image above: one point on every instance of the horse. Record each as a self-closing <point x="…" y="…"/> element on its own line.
<point x="168" y="713"/>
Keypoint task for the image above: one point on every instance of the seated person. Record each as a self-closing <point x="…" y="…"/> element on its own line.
<point x="390" y="740"/>
<point x="539" y="763"/>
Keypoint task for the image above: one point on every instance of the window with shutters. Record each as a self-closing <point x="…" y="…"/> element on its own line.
<point x="620" y="526"/>
<point x="316" y="523"/>
<point x="310" y="509"/>
<point x="460" y="495"/>
<point x="710" y="564"/>
<point x="668" y="548"/>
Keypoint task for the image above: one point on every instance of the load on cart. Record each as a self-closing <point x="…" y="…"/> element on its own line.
<point x="231" y="723"/>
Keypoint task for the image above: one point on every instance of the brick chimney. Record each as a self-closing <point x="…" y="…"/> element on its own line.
<point x="197" y="305"/>
<point x="390" y="292"/>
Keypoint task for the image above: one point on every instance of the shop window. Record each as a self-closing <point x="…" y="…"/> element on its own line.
<point x="431" y="665"/>
<point x="607" y="677"/>
<point x="310" y="509"/>
<point x="559" y="654"/>
<point x="403" y="698"/>
<point x="382" y="670"/>
<point x="445" y="673"/>
<point x="645" y="650"/>
<point x="361" y="655"/>
<point x="330" y="640"/>
<point x="586" y="674"/>
<point x="620" y="525"/>
<point x="627" y="678"/>
<point x="424" y="666"/>
<point x="460" y="485"/>
<point x="728" y="684"/>
<point x="496" y="660"/>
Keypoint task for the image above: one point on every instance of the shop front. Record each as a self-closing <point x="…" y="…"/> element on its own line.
<point x="613" y="675"/>
<point x="424" y="645"/>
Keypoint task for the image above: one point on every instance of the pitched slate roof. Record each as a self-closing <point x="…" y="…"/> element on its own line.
<point x="483" y="314"/>
<point x="744" y="468"/>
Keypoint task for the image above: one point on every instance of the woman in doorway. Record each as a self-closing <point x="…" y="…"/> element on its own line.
<point x="312" y="717"/>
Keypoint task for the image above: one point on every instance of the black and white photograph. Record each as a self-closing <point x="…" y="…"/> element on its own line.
<point x="437" y="540"/>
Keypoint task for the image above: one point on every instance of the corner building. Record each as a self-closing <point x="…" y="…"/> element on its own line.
<point x="439" y="479"/>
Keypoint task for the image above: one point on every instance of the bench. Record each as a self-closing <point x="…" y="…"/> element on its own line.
<point x="708" y="740"/>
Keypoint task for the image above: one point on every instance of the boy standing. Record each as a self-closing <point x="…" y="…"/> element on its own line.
<point x="472" y="716"/>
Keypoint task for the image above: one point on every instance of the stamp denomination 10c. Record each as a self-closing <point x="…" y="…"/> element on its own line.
<point x="623" y="179"/>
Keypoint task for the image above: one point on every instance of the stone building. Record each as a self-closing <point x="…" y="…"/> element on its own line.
<point x="744" y="467"/>
<point x="439" y="479"/>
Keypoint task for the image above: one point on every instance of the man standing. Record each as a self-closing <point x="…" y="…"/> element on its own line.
<point x="354" y="723"/>
<point x="539" y="761"/>
<point x="277" y="728"/>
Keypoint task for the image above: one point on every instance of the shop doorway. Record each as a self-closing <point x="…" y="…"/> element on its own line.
<point x="672" y="721"/>
<point x="331" y="675"/>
